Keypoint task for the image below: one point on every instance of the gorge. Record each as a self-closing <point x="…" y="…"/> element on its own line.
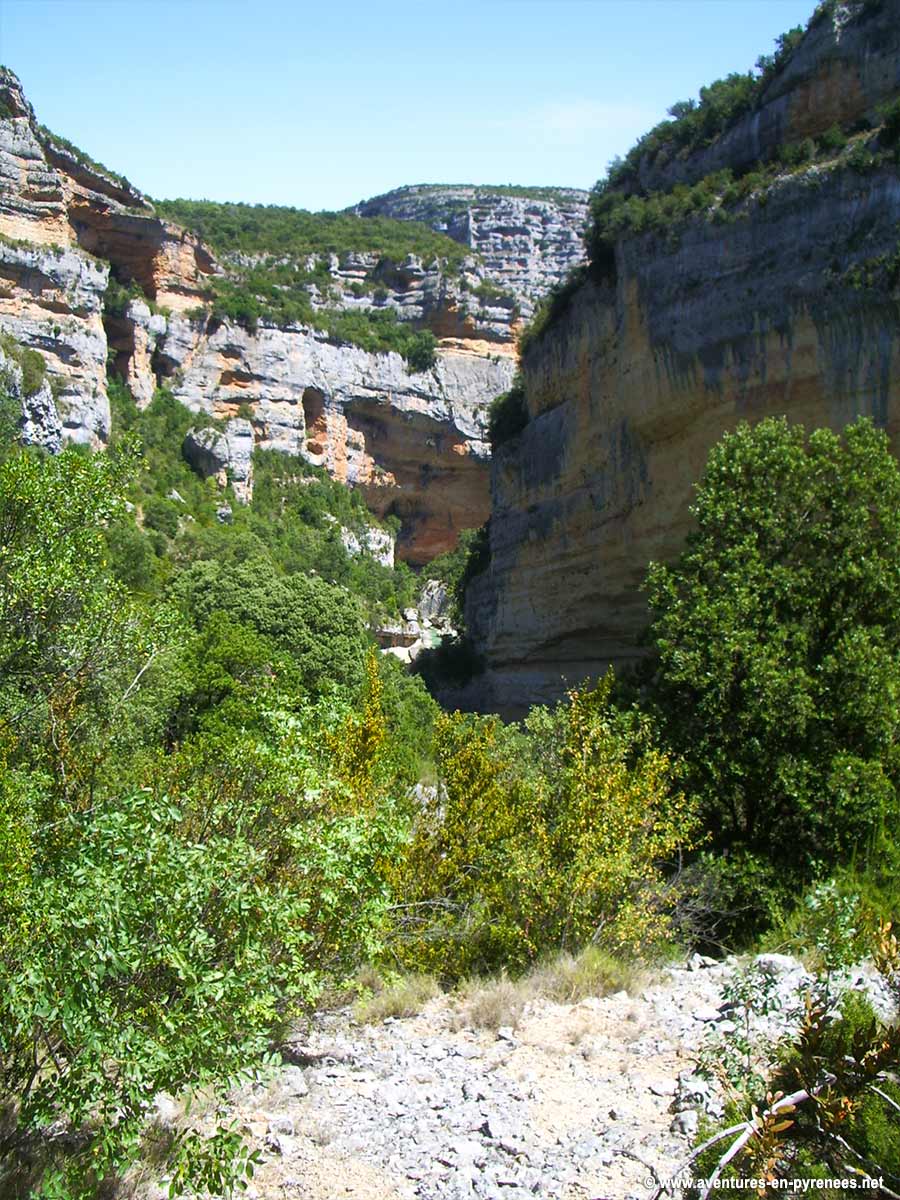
<point x="771" y="289"/>
<point x="412" y="438"/>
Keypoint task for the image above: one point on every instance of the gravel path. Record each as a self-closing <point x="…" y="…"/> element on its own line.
<point x="582" y="1101"/>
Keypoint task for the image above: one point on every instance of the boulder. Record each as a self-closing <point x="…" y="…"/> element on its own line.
<point x="226" y="455"/>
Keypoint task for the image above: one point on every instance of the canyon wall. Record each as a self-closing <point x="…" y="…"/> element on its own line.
<point x="791" y="308"/>
<point x="527" y="239"/>
<point x="413" y="441"/>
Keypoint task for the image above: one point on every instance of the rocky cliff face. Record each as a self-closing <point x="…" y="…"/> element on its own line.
<point x="65" y="223"/>
<point x="846" y="65"/>
<point x="413" y="441"/>
<point x="527" y="241"/>
<point x="791" y="308"/>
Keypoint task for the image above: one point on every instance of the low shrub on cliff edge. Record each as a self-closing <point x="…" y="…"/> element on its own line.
<point x="507" y="415"/>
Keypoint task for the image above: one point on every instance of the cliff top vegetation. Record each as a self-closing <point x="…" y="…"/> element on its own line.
<point x="696" y="123"/>
<point x="270" y="229"/>
<point x="524" y="191"/>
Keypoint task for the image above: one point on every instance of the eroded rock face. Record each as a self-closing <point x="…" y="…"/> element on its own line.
<point x="51" y="300"/>
<point x="65" y="223"/>
<point x="527" y="243"/>
<point x="629" y="392"/>
<point x="226" y="455"/>
<point x="373" y="540"/>
<point x="447" y="303"/>
<point x="412" y="441"/>
<point x="38" y="422"/>
<point x="846" y="66"/>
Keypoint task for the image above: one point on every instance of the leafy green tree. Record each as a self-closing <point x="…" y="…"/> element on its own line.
<point x="778" y="636"/>
<point x="320" y="626"/>
<point x="72" y="645"/>
<point x="162" y="914"/>
<point x="541" y="839"/>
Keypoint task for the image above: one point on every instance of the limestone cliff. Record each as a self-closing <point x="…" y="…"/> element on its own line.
<point x="412" y="441"/>
<point x="788" y="304"/>
<point x="65" y="223"/>
<point x="527" y="239"/>
<point x="71" y="231"/>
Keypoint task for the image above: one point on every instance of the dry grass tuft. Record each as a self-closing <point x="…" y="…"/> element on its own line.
<point x="405" y="997"/>
<point x="594" y="972"/>
<point x="489" y="1004"/>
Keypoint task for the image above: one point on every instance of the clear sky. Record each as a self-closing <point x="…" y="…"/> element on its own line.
<point x="322" y="104"/>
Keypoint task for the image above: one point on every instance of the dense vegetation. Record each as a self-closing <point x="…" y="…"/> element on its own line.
<point x="196" y="784"/>
<point x="779" y="658"/>
<point x="292" y="526"/>
<point x="269" y="229"/>
<point x="507" y="415"/>
<point x="278" y="270"/>
<point x="206" y="804"/>
<point x="279" y="294"/>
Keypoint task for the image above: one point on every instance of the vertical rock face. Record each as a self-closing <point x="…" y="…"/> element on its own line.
<point x="225" y="455"/>
<point x="791" y="309"/>
<point x="64" y="224"/>
<point x="33" y="413"/>
<point x="847" y="64"/>
<point x="50" y="292"/>
<point x="528" y="240"/>
<point x="413" y="442"/>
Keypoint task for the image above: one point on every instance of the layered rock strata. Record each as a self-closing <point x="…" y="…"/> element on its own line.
<point x="65" y="225"/>
<point x="32" y="415"/>
<point x="791" y="308"/>
<point x="412" y="442"/>
<point x="847" y="64"/>
<point x="526" y="243"/>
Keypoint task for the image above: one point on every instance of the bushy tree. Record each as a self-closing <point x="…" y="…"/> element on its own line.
<point x="320" y="626"/>
<point x="778" y="636"/>
<point x="541" y="839"/>
<point x="73" y="646"/>
<point x="165" y="904"/>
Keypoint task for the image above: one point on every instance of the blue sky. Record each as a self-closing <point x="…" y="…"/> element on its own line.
<point x="320" y="105"/>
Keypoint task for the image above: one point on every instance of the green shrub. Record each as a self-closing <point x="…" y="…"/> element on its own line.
<point x="889" y="116"/>
<point x="833" y="139"/>
<point x="162" y="515"/>
<point x="31" y="362"/>
<point x="861" y="158"/>
<point x="188" y="850"/>
<point x="118" y="296"/>
<point x="34" y="371"/>
<point x="552" y="308"/>
<point x="10" y="415"/>
<point x="796" y="153"/>
<point x="455" y="568"/>
<point x="779" y="649"/>
<point x="507" y="415"/>
<point x="317" y="624"/>
<point x="259" y="229"/>
<point x="827" y="1111"/>
<point x="174" y="937"/>
<point x="550" y="839"/>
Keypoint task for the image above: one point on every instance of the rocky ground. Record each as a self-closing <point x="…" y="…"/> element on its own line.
<point x="586" y="1100"/>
